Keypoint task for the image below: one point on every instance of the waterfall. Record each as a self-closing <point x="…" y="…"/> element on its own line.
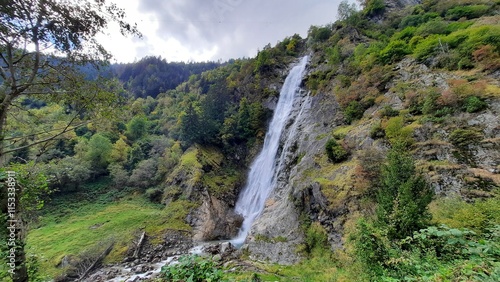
<point x="262" y="176"/>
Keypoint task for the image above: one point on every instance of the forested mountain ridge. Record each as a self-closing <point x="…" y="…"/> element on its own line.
<point x="151" y="76"/>
<point x="400" y="107"/>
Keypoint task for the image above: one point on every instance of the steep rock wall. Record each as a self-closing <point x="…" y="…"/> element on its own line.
<point x="312" y="188"/>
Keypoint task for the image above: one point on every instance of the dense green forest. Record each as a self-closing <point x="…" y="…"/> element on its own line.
<point x="151" y="76"/>
<point x="140" y="150"/>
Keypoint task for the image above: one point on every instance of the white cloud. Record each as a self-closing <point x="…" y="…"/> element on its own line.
<point x="200" y="30"/>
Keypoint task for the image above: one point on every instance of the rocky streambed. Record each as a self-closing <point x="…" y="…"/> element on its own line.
<point x="146" y="269"/>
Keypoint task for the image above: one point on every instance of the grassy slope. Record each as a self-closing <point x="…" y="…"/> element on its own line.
<point x="72" y="225"/>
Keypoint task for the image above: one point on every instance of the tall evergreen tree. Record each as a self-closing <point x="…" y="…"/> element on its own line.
<point x="190" y="126"/>
<point x="403" y="195"/>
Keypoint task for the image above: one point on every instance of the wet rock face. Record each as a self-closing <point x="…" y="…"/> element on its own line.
<point x="215" y="220"/>
<point x="276" y="234"/>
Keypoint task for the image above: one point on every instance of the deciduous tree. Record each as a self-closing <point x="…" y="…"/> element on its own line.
<point x="41" y="41"/>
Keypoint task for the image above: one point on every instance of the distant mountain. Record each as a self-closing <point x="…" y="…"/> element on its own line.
<point x="153" y="75"/>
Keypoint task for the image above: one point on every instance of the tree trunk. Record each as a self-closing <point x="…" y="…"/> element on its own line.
<point x="21" y="274"/>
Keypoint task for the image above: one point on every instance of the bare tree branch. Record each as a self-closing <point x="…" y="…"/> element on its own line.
<point x="66" y="129"/>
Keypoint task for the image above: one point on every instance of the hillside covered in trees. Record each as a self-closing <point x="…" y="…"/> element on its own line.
<point x="151" y="76"/>
<point x="392" y="173"/>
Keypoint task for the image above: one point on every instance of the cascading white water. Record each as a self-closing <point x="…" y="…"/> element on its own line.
<point x="261" y="179"/>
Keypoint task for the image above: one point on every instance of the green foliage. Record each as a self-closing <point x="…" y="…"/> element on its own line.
<point x="119" y="152"/>
<point x="335" y="151"/>
<point x="405" y="34"/>
<point x="319" y="34"/>
<point x="403" y="196"/>
<point x="244" y="124"/>
<point x="388" y="111"/>
<point x="316" y="239"/>
<point x="370" y="248"/>
<point x="349" y="14"/>
<point x="427" y="47"/>
<point x="97" y="212"/>
<point x="397" y="132"/>
<point x="137" y="128"/>
<point x="463" y="41"/>
<point x="469" y="12"/>
<point x="473" y="104"/>
<point x="442" y="253"/>
<point x="353" y="111"/>
<point x="135" y="155"/>
<point x="377" y="131"/>
<point x="277" y="239"/>
<point x="99" y="151"/>
<point x="418" y="19"/>
<point x="334" y="55"/>
<point x="455" y="26"/>
<point x="68" y="173"/>
<point x="433" y="106"/>
<point x="263" y="62"/>
<point x="190" y="127"/>
<point x="34" y="184"/>
<point x="435" y="26"/>
<point x="192" y="268"/>
<point x="144" y="174"/>
<point x="394" y="51"/>
<point x="153" y="75"/>
<point x="373" y="7"/>
<point x="118" y="174"/>
<point x="479" y="216"/>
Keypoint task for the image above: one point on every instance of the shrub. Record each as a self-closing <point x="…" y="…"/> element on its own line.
<point x="434" y="105"/>
<point x="336" y="152"/>
<point x="374" y="7"/>
<point x="405" y="34"/>
<point x="192" y="268"/>
<point x="474" y="104"/>
<point x="353" y="111"/>
<point x="469" y="12"/>
<point x="396" y="131"/>
<point x="468" y="40"/>
<point x="145" y="174"/>
<point x="478" y="216"/>
<point x="319" y="34"/>
<point x="394" y="51"/>
<point x="370" y="248"/>
<point x="416" y="20"/>
<point x="487" y="57"/>
<point x="118" y="174"/>
<point x="99" y="151"/>
<point x="454" y="26"/>
<point x="316" y="239"/>
<point x="377" y="131"/>
<point x="425" y="47"/>
<point x="388" y="111"/>
<point x="436" y="26"/>
<point x="154" y="195"/>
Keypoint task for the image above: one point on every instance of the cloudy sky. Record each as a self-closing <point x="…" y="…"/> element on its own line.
<point x="200" y="30"/>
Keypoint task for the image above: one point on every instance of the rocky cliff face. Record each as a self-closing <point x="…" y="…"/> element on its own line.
<point x="311" y="186"/>
<point x="277" y="234"/>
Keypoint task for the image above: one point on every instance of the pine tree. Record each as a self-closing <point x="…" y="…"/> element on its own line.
<point x="403" y="196"/>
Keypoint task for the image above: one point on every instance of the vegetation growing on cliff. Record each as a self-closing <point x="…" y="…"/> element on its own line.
<point x="160" y="150"/>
